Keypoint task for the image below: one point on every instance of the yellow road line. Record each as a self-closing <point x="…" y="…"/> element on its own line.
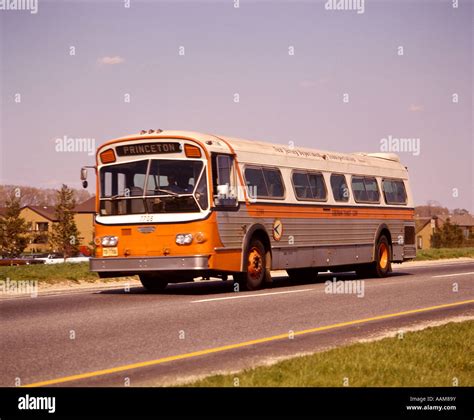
<point x="235" y="346"/>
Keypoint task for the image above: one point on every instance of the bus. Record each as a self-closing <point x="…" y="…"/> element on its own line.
<point x="172" y="206"/>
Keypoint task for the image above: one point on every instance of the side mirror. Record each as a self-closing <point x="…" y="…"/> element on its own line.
<point x="83" y="174"/>
<point x="84" y="184"/>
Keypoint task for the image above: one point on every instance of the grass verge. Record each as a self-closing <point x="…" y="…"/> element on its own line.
<point x="50" y="273"/>
<point x="442" y="253"/>
<point x="431" y="357"/>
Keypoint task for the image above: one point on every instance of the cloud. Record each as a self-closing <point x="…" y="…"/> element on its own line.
<point x="111" y="60"/>
<point x="416" y="108"/>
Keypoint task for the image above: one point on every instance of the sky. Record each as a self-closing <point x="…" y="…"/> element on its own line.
<point x="358" y="79"/>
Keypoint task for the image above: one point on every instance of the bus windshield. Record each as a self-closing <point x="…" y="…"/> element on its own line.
<point x="153" y="186"/>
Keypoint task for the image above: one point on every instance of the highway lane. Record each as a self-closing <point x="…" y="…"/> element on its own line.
<point x="54" y="337"/>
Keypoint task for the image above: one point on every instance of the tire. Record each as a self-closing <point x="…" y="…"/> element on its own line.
<point x="302" y="274"/>
<point x="382" y="265"/>
<point x="153" y="283"/>
<point x="258" y="272"/>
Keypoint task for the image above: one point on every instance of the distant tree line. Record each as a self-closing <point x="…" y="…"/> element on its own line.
<point x="32" y="196"/>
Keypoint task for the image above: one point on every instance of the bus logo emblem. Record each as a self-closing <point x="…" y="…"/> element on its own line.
<point x="277" y="229"/>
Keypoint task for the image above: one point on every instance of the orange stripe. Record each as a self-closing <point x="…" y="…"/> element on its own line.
<point x="318" y="212"/>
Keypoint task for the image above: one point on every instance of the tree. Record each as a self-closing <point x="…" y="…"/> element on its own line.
<point x="460" y="212"/>
<point x="432" y="208"/>
<point x="65" y="235"/>
<point x="449" y="236"/>
<point x="13" y="230"/>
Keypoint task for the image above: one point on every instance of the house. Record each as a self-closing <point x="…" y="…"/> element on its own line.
<point x="425" y="227"/>
<point x="42" y="218"/>
<point x="464" y="221"/>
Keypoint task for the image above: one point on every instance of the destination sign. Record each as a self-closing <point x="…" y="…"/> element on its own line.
<point x="148" y="149"/>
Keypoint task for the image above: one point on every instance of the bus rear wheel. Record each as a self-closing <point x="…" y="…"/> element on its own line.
<point x="257" y="273"/>
<point x="302" y="274"/>
<point x="382" y="264"/>
<point x="153" y="282"/>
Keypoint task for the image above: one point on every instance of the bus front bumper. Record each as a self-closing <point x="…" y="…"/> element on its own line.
<point x="143" y="264"/>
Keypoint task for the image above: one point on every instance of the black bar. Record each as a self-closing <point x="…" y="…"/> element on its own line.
<point x="242" y="402"/>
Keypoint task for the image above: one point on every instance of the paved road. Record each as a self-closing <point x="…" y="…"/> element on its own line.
<point x="95" y="334"/>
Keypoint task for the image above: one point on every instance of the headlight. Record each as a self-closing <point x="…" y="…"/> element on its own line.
<point x="184" y="238"/>
<point x="109" y="241"/>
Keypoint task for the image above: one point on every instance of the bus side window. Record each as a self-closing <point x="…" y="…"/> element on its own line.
<point x="372" y="189"/>
<point x="274" y="183"/>
<point x="358" y="189"/>
<point x="255" y="183"/>
<point x="394" y="191"/>
<point x="340" y="190"/>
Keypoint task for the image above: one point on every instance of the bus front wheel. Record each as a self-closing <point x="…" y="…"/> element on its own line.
<point x="257" y="273"/>
<point x="153" y="283"/>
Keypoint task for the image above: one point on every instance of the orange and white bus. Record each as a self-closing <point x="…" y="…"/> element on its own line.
<point x="176" y="205"/>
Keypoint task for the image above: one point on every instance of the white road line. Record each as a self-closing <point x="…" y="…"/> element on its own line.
<point x="250" y="296"/>
<point x="453" y="275"/>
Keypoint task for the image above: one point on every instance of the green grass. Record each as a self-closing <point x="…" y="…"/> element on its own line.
<point x="431" y="357"/>
<point x="441" y="253"/>
<point x="50" y="273"/>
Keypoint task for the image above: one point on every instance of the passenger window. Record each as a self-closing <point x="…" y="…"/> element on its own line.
<point x="301" y="185"/>
<point x="394" y="191"/>
<point x="358" y="189"/>
<point x="309" y="186"/>
<point x="255" y="183"/>
<point x="373" y="194"/>
<point x="318" y="186"/>
<point x="365" y="189"/>
<point x="264" y="183"/>
<point x="274" y="183"/>
<point x="339" y="187"/>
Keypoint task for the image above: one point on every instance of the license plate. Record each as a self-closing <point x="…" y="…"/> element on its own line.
<point x="110" y="252"/>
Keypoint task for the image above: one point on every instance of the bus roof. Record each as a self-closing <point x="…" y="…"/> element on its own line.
<point x="258" y="152"/>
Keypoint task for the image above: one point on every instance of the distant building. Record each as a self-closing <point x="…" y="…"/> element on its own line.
<point x="464" y="221"/>
<point x="425" y="227"/>
<point x="42" y="218"/>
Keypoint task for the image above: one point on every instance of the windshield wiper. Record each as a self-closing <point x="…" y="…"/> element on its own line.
<point x="167" y="192"/>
